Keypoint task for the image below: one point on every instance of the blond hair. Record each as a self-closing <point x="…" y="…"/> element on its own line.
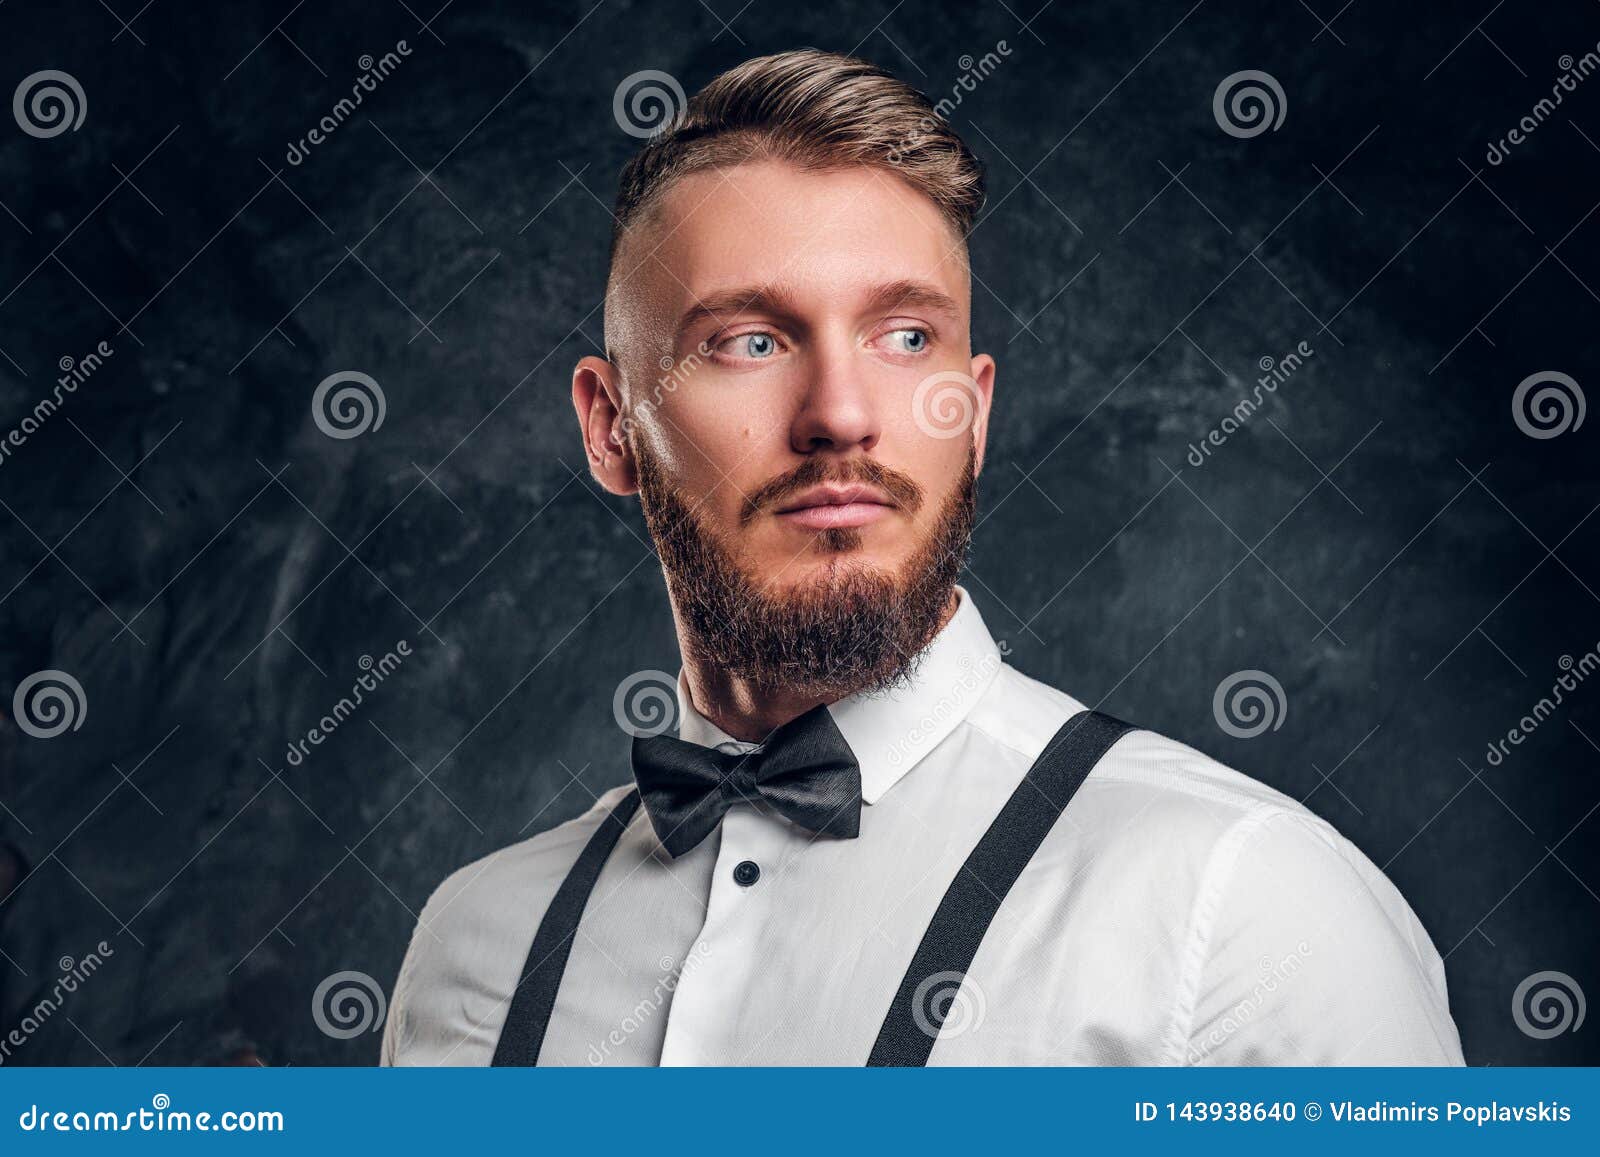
<point x="818" y="110"/>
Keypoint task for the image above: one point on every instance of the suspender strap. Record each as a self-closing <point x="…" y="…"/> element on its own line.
<point x="535" y="995"/>
<point x="975" y="895"/>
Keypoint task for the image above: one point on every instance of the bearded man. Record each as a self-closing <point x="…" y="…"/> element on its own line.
<point x="873" y="840"/>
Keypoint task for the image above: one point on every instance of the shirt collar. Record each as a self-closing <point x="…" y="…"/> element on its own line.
<point x="890" y="731"/>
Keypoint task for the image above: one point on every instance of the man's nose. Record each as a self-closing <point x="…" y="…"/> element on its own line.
<point x="837" y="410"/>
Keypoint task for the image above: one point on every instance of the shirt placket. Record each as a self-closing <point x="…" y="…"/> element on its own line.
<point x="711" y="997"/>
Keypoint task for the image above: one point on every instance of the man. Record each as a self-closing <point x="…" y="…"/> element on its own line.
<point x="873" y="840"/>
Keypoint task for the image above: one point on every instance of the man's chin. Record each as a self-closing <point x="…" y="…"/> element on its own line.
<point x="850" y="611"/>
<point x="829" y="579"/>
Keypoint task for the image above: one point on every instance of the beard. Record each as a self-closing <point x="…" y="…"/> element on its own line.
<point x="854" y="627"/>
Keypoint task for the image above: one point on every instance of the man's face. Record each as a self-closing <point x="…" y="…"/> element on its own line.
<point x="821" y="302"/>
<point x="795" y="367"/>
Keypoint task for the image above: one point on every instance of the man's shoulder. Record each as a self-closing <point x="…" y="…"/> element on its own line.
<point x="1172" y="790"/>
<point x="471" y="940"/>
<point x="1204" y="838"/>
<point x="512" y="875"/>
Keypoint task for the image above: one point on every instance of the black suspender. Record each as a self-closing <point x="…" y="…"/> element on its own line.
<point x="947" y="948"/>
<point x="535" y="995"/>
<point x="975" y="895"/>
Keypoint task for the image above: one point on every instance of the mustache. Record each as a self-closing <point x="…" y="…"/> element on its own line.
<point x="902" y="490"/>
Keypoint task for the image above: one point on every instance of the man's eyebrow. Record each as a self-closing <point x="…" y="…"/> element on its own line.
<point x="777" y="301"/>
<point x="773" y="300"/>
<point x="911" y="294"/>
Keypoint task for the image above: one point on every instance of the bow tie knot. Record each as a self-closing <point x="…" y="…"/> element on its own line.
<point x="805" y="771"/>
<point x="740" y="779"/>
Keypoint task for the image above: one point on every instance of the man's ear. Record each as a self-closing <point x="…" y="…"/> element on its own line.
<point x="597" y="399"/>
<point x="982" y="374"/>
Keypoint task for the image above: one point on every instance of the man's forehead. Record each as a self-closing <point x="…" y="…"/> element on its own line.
<point x="836" y="232"/>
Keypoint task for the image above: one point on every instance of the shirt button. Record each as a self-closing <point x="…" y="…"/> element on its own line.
<point x="746" y="872"/>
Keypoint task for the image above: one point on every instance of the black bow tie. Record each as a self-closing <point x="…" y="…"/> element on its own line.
<point x="805" y="770"/>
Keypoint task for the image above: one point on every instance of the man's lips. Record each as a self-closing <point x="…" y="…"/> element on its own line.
<point x="825" y="507"/>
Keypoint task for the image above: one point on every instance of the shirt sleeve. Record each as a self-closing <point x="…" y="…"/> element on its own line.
<point x="428" y="1021"/>
<point x="389" y="1050"/>
<point x="1303" y="952"/>
<point x="439" y="1005"/>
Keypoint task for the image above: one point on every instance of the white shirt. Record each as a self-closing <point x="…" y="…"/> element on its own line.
<point x="1177" y="913"/>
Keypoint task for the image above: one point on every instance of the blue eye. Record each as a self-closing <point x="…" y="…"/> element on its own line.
<point x="759" y="345"/>
<point x="912" y="341"/>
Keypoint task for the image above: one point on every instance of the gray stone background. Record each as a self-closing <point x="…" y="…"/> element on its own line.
<point x="1383" y="537"/>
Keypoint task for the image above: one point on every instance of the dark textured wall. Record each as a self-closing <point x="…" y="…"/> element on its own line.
<point x="1382" y="537"/>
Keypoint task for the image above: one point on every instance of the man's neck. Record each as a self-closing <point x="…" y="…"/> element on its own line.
<point x="749" y="711"/>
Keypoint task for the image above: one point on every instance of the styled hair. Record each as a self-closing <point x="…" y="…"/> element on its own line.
<point x="818" y="110"/>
